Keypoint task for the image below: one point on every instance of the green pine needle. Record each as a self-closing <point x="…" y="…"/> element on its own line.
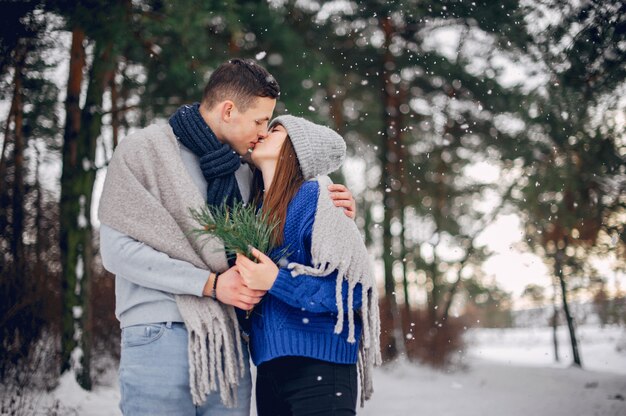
<point x="239" y="227"/>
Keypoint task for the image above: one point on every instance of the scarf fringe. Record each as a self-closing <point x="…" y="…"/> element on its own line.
<point x="213" y="366"/>
<point x="369" y="351"/>
<point x="337" y="245"/>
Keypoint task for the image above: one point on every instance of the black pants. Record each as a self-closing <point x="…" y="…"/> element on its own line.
<point x="300" y="386"/>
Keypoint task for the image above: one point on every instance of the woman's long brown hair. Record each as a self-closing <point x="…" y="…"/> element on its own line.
<point x="287" y="181"/>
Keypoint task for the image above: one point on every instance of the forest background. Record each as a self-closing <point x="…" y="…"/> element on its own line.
<point x="459" y="116"/>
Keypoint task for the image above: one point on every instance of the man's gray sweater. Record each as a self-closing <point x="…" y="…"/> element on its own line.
<point x="146" y="280"/>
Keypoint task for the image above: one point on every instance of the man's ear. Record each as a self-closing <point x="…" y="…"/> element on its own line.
<point x="227" y="110"/>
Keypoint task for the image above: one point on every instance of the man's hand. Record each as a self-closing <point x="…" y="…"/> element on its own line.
<point x="342" y="197"/>
<point x="231" y="290"/>
<point x="261" y="275"/>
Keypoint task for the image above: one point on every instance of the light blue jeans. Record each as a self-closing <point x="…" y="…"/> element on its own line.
<point x="154" y="375"/>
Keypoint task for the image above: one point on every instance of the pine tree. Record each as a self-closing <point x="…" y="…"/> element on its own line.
<point x="31" y="124"/>
<point x="573" y="163"/>
<point x="105" y="26"/>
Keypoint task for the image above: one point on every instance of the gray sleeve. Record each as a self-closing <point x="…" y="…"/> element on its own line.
<point x="143" y="265"/>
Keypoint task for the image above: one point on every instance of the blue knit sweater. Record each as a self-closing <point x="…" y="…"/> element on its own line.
<point x="298" y="314"/>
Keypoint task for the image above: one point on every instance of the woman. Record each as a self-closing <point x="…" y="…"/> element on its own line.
<point x="306" y="353"/>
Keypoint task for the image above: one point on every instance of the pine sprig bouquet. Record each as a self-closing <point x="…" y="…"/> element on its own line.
<point x="238" y="227"/>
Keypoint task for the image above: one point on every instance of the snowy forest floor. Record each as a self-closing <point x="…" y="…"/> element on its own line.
<point x="489" y="388"/>
<point x="504" y="371"/>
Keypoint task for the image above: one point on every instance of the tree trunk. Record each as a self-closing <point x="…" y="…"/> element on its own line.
<point x="398" y="347"/>
<point x="100" y="75"/>
<point x="123" y="93"/>
<point x="17" y="241"/>
<point x="7" y="129"/>
<point x="39" y="236"/>
<point x="451" y="292"/>
<point x="555" y="322"/>
<point x="558" y="266"/>
<point x="433" y="294"/>
<point x="400" y="150"/>
<point x="115" y="116"/>
<point x="388" y="157"/>
<point x="404" y="254"/>
<point x="70" y="241"/>
<point x="555" y="338"/>
<point x="390" y="179"/>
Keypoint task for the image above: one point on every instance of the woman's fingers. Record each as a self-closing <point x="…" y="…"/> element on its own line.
<point x="245" y="306"/>
<point x="337" y="187"/>
<point x="252" y="285"/>
<point x="251" y="300"/>
<point x="256" y="253"/>
<point x="260" y="256"/>
<point x="341" y="196"/>
<point x="343" y="203"/>
<point x="246" y="262"/>
<point x="347" y="206"/>
<point x="251" y="293"/>
<point x="243" y="262"/>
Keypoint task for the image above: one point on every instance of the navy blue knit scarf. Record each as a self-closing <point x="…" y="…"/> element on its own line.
<point x="218" y="161"/>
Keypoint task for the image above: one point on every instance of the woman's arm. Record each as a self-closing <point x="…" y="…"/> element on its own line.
<point x="311" y="293"/>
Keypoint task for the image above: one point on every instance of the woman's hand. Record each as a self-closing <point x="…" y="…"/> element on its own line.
<point x="342" y="197"/>
<point x="257" y="276"/>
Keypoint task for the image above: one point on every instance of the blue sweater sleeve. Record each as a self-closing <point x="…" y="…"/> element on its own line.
<point x="312" y="293"/>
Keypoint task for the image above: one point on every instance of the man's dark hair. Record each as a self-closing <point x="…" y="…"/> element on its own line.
<point x="241" y="81"/>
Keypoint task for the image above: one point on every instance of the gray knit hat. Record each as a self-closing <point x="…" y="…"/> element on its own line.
<point x="320" y="150"/>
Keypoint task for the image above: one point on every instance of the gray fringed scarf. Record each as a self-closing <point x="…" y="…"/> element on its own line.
<point x="146" y="195"/>
<point x="337" y="245"/>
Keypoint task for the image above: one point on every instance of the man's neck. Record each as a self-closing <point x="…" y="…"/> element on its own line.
<point x="212" y="120"/>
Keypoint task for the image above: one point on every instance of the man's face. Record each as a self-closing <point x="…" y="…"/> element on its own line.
<point x="244" y="129"/>
<point x="268" y="149"/>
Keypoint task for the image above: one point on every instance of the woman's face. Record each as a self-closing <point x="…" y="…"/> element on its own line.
<point x="268" y="149"/>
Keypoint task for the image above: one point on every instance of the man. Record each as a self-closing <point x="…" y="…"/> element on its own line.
<point x="181" y="350"/>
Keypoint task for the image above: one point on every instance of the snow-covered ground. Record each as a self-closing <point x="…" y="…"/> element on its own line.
<point x="601" y="349"/>
<point x="490" y="388"/>
<point x="505" y="372"/>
